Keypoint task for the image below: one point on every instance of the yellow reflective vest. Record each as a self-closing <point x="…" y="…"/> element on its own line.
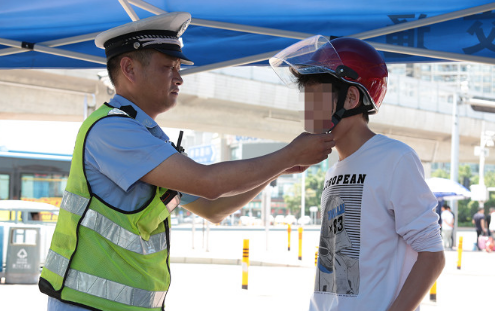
<point x="104" y="258"/>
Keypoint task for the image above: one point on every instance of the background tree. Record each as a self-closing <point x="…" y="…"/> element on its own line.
<point x="463" y="210"/>
<point x="473" y="205"/>
<point x="314" y="189"/>
<point x="293" y="198"/>
<point x="440" y="173"/>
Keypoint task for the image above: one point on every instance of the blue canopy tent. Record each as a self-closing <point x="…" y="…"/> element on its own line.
<point x="446" y="189"/>
<point x="60" y="33"/>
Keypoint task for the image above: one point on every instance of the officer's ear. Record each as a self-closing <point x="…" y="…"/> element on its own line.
<point x="127" y="67"/>
<point x="353" y="96"/>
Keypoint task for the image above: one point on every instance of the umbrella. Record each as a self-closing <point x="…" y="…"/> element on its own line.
<point x="446" y="189"/>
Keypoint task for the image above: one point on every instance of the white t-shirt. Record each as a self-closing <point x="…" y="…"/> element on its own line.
<point x="492" y="222"/>
<point x="377" y="213"/>
<point x="447" y="218"/>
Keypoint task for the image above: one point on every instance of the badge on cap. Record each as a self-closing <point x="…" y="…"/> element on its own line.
<point x="161" y="32"/>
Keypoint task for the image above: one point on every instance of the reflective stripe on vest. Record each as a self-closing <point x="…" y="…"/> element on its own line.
<point x="113" y="291"/>
<point x="122" y="237"/>
<point x="74" y="203"/>
<point x="111" y="231"/>
<point x="56" y="263"/>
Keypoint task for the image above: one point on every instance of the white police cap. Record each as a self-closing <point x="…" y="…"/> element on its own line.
<point x="160" y="32"/>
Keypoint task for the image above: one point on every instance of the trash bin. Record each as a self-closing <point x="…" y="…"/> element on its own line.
<point x="23" y="256"/>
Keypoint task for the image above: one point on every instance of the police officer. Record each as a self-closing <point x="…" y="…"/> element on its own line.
<point x="110" y="249"/>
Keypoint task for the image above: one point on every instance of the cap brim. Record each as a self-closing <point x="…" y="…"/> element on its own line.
<point x="175" y="21"/>
<point x="178" y="54"/>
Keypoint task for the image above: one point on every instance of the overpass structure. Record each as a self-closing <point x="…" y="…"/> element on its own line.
<point x="250" y="101"/>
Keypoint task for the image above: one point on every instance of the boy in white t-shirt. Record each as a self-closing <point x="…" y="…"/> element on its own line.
<point x="380" y="245"/>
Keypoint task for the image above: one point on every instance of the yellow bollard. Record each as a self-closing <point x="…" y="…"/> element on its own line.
<point x="459" y="254"/>
<point x="245" y="264"/>
<point x="300" y="230"/>
<point x="288" y="235"/>
<point x="316" y="256"/>
<point x="433" y="292"/>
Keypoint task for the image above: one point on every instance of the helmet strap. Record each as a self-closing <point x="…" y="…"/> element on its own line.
<point x="355" y="111"/>
<point x="340" y="110"/>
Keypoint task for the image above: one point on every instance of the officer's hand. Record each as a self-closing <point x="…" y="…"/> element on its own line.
<point x="308" y="149"/>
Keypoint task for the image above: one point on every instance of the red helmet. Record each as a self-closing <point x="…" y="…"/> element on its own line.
<point x="351" y="60"/>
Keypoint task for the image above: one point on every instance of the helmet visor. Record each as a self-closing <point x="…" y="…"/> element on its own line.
<point x="310" y="56"/>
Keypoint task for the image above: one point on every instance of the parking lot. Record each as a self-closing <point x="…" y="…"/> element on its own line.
<point x="277" y="279"/>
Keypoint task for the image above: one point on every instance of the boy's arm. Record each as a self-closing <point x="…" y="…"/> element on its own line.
<point x="217" y="210"/>
<point x="423" y="275"/>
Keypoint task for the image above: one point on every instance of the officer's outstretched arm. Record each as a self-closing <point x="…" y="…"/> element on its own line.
<point x="234" y="177"/>
<point x="217" y="210"/>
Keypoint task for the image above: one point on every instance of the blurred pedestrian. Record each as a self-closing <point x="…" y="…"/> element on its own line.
<point x="486" y="243"/>
<point x="479" y="222"/>
<point x="447" y="226"/>
<point x="453" y="218"/>
<point x="490" y="245"/>
<point x="489" y="223"/>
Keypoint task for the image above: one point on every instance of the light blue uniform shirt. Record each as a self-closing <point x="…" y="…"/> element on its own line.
<point x="118" y="152"/>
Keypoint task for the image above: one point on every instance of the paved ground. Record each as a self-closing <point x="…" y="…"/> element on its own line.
<point x="277" y="280"/>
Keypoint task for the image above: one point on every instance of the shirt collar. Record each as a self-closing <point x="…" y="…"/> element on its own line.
<point x="118" y="101"/>
<point x="141" y="116"/>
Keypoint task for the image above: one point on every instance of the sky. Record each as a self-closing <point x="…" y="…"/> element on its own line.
<point x="38" y="136"/>
<point x="45" y="136"/>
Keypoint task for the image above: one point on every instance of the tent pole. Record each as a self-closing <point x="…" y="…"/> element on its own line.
<point x="129" y="10"/>
<point x="432" y="53"/>
<point x="228" y="26"/>
<point x="55" y="51"/>
<point x="52" y="43"/>
<point x="378" y="46"/>
<point x="251" y="29"/>
<point x="70" y="40"/>
<point x="147" y="7"/>
<point x="230" y="63"/>
<point x="300" y="35"/>
<point x="69" y="54"/>
<point x="425" y="21"/>
<point x="10" y="51"/>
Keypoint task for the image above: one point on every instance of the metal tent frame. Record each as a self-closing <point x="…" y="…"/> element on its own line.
<point x="53" y="47"/>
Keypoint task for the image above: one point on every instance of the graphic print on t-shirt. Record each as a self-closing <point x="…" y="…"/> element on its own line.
<point x="338" y="260"/>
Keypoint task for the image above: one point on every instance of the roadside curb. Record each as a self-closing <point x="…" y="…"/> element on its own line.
<point x="232" y="261"/>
